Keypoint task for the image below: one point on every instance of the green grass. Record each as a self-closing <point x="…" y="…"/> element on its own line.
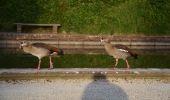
<point x="84" y="61"/>
<point x="149" y="17"/>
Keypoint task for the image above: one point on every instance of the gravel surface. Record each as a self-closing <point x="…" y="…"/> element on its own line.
<point x="85" y="89"/>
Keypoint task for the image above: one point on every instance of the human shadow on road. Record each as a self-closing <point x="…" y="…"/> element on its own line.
<point x="101" y="89"/>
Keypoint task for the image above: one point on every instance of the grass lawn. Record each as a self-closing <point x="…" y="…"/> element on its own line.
<point x="84" y="61"/>
<point x="149" y="17"/>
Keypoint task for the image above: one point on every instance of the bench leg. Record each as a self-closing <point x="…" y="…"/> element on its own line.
<point x="19" y="28"/>
<point x="55" y="29"/>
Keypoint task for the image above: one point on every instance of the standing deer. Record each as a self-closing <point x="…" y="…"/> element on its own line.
<point x="118" y="51"/>
<point x="41" y="50"/>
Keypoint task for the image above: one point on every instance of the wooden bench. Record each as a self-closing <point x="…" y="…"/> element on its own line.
<point x="54" y="26"/>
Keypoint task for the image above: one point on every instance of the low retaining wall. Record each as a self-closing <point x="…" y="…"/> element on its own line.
<point x="81" y="73"/>
<point x="9" y="42"/>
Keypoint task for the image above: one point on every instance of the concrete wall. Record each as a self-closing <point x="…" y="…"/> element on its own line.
<point x="9" y="42"/>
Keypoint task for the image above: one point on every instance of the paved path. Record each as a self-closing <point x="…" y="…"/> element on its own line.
<point x="85" y="84"/>
<point x="85" y="89"/>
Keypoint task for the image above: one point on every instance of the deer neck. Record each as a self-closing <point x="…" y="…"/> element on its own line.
<point x="27" y="49"/>
<point x="108" y="46"/>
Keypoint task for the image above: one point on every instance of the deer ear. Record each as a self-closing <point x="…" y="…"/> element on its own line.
<point x="101" y="39"/>
<point x="21" y="42"/>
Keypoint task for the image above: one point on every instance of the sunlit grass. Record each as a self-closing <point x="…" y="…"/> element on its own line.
<point x="149" y="17"/>
<point x="84" y="61"/>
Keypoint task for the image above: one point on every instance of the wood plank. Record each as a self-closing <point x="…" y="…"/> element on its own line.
<point x="30" y="24"/>
<point x="54" y="26"/>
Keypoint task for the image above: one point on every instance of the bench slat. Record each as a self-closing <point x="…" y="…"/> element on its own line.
<point x="29" y="24"/>
<point x="54" y="26"/>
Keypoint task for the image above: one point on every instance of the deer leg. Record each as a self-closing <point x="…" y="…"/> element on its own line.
<point x="117" y="60"/>
<point x="51" y="63"/>
<point x="128" y="66"/>
<point x="39" y="64"/>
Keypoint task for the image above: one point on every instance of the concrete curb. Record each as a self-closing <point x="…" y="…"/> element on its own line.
<point x="71" y="73"/>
